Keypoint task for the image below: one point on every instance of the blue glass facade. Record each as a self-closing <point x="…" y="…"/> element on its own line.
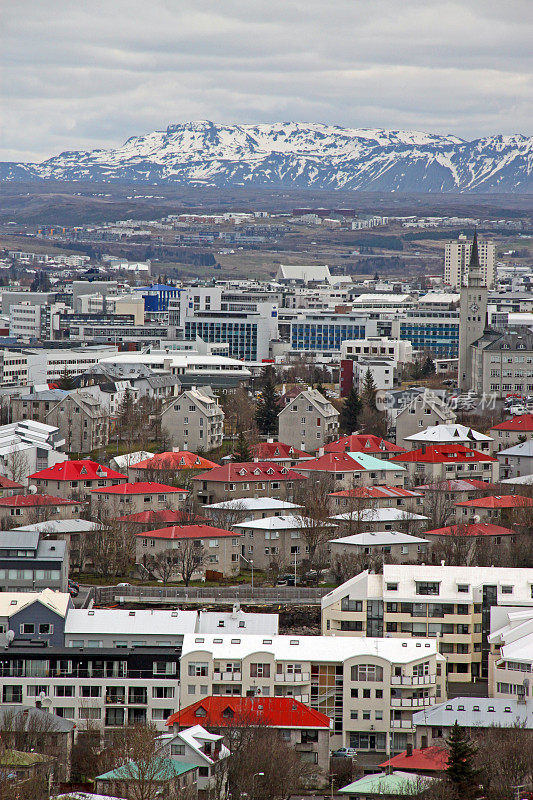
<point x="241" y="336"/>
<point x="323" y="336"/>
<point x="156" y="297"/>
<point x="442" y="338"/>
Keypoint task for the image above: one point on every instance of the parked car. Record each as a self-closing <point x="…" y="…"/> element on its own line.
<point x="73" y="588"/>
<point x="344" y="752"/>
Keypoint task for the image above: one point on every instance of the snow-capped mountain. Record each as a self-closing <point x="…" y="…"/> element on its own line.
<point x="298" y="155"/>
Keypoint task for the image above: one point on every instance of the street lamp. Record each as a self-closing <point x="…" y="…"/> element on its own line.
<point x="256" y="775"/>
<point x="251" y="563"/>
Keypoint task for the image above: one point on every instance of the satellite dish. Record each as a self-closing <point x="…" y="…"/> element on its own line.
<point x="10" y="635"/>
<point x="476" y="518"/>
<point x="32" y="489"/>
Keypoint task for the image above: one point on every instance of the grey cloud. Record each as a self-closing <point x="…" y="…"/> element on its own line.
<point x="93" y="74"/>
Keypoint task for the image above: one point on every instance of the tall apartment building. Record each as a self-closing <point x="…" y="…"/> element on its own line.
<point x="503" y="362"/>
<point x="193" y="421"/>
<point x="308" y="422"/>
<point x="450" y="604"/>
<point x="368" y="687"/>
<point x="457" y="259"/>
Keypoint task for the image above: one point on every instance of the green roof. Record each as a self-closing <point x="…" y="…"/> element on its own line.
<point x="400" y="783"/>
<point x="371" y="462"/>
<point x="169" y="768"/>
<point x="19" y="758"/>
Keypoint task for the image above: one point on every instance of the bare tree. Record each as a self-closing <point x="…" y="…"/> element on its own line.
<point x="190" y="558"/>
<point x="316" y="527"/>
<point x="112" y="548"/>
<point x="454" y="549"/>
<point x="228" y="515"/>
<point x="17" y="467"/>
<point x="162" y="565"/>
<point x="439" y="505"/>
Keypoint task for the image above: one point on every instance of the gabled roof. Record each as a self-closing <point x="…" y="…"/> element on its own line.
<point x="473" y="529"/>
<point x="13" y="602"/>
<point x="457" y="485"/>
<point x="347" y="462"/>
<point x="169" y="768"/>
<point x="376" y="492"/>
<point x="442" y="454"/>
<point x="279" y="712"/>
<point x="427" y="759"/>
<point x="250" y="471"/>
<point x="499" y="501"/>
<point x="84" y="470"/>
<point x="363" y="443"/>
<point x="7" y="483"/>
<point x="441" y="434"/>
<point x="265" y="451"/>
<point x="160" y="516"/>
<point x="35" y="500"/>
<point x="181" y="459"/>
<point x="139" y="487"/>
<point x="522" y="423"/>
<point x="188" y="532"/>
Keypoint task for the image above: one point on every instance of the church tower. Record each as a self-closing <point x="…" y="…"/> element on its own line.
<point x="472" y="315"/>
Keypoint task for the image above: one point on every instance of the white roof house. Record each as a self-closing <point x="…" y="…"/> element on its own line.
<point x="59" y="526"/>
<point x="523" y="480"/>
<point x="281" y="523"/>
<point x="13" y="602"/>
<point x="448" y="434"/>
<point x="253" y="504"/>
<point x="476" y="712"/>
<point x="237" y="621"/>
<point x="303" y="274"/>
<point x="378" y="538"/>
<point x="380" y="515"/>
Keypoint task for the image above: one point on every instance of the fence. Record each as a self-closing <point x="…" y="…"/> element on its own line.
<point x="104" y="595"/>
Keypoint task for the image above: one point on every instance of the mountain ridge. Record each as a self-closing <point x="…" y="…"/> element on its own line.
<point x="298" y="155"/>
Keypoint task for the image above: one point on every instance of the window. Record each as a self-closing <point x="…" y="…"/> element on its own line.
<point x="260" y="670"/>
<point x="367" y="672"/>
<point x="90" y="691"/>
<point x="463" y="587"/>
<point x="177" y="749"/>
<point x="198" y="669"/>
<point x="507" y="589"/>
<point x="392" y="587"/>
<point x="427" y="587"/>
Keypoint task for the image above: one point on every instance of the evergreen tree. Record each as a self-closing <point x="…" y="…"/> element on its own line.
<point x="368" y="395"/>
<point x="428" y="367"/>
<point x="350" y="411"/>
<point x="269" y="406"/>
<point x="461" y="772"/>
<point x="242" y="450"/>
<point x="66" y="381"/>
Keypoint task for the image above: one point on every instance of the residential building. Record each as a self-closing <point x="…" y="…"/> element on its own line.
<point x="487" y="509"/>
<point x="375" y="497"/>
<point x="381" y="369"/>
<point x="458" y="258"/>
<point x="279" y="453"/>
<point x="435" y="463"/>
<point x="301" y="727"/>
<point x="168" y="465"/>
<point x="29" y="562"/>
<point x="309" y="421"/>
<point x="380" y="519"/>
<point x="76" y="479"/>
<point x="279" y="541"/>
<point x="346" y="470"/>
<point x="132" y="498"/>
<point x="449" y="603"/>
<point x="82" y="420"/>
<point x="222" y="548"/>
<point x="516" y="461"/>
<point x="451" y="434"/>
<point x="513" y="431"/>
<point x="193" y="421"/>
<point x="249" y="508"/>
<point x="8" y="487"/>
<point x="377" y="682"/>
<point x="33" y="616"/>
<point x="196" y="745"/>
<point x="21" y="727"/>
<point x="511" y="655"/>
<point x="76" y="533"/>
<point x="364" y="443"/>
<point x="430" y="761"/>
<point x="401" y="547"/>
<point x="502" y="362"/>
<point x="34" y="407"/>
<point x="246" y="480"/>
<point x="13" y="368"/>
<point x="172" y="779"/>
<point x="470" y="533"/>
<point x="29" y="508"/>
<point x="425" y="409"/>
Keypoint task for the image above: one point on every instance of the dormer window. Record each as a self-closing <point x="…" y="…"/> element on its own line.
<point x="200" y="712"/>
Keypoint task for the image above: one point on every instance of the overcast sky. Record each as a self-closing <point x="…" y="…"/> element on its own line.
<point x="87" y="74"/>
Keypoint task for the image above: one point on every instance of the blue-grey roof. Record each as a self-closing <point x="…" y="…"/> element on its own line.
<point x="472" y="712"/>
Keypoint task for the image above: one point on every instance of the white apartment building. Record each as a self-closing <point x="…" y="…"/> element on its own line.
<point x="13" y="368"/>
<point x="511" y="656"/>
<point x="368" y="687"/>
<point x="47" y="366"/>
<point x="450" y="604"/>
<point x="381" y="369"/>
<point x="457" y="258"/>
<point x="29" y="320"/>
<point x="193" y="421"/>
<point x="397" y="350"/>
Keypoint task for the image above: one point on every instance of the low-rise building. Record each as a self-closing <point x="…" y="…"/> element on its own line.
<point x="435" y="463"/>
<point x="169" y="777"/>
<point x="367" y="687"/>
<point x="196" y="745"/>
<point x="513" y="431"/>
<point x="375" y="497"/>
<point x="26" y="725"/>
<point x="380" y="519"/>
<point x="245" y="480"/>
<point x="346" y="470"/>
<point x="134" y="498"/>
<point x="470" y="534"/>
<point x="82" y="420"/>
<point x="511" y="652"/>
<point x="451" y="604"/>
<point x="193" y="421"/>
<point x="487" y="509"/>
<point x="364" y="443"/>
<point x="76" y="533"/>
<point x="516" y="461"/>
<point x="29" y="508"/>
<point x="451" y="434"/>
<point x="29" y="562"/>
<point x="279" y="453"/>
<point x="401" y="547"/>
<point x="221" y="548"/>
<point x="76" y="479"/>
<point x="229" y="512"/>
<point x="167" y="466"/>
<point x="309" y="421"/>
<point x="423" y="410"/>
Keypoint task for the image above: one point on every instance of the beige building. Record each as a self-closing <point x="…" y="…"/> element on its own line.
<point x="451" y="604"/>
<point x="401" y="547"/>
<point x="221" y="548"/>
<point x="193" y="421"/>
<point x="457" y="259"/>
<point x="513" y="431"/>
<point x="278" y="540"/>
<point x="511" y="647"/>
<point x="308" y="422"/>
<point x="436" y="463"/>
<point x="130" y="498"/>
<point x="76" y="479"/>
<point x="82" y="420"/>
<point x="24" y="509"/>
<point x="502" y="363"/>
<point x="246" y="480"/>
<point x="424" y="410"/>
<point x="368" y="687"/>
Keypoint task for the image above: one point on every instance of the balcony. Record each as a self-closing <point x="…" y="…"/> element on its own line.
<point x="412" y="680"/>
<point x="292" y="677"/>
<point x="412" y="702"/>
<point x="227" y="676"/>
<point x="402" y="724"/>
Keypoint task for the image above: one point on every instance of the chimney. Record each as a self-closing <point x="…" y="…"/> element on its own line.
<point x="320" y="452"/>
<point x="409" y="750"/>
<point x="270" y="440"/>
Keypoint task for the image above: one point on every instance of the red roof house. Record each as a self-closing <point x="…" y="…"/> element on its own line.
<point x="523" y="423"/>
<point x="364" y="443"/>
<point x="427" y="760"/>
<point x="473" y="529"/>
<point x="378" y="496"/>
<point x="7" y="485"/>
<point x="486" y="508"/>
<point x="278" y="452"/>
<point x="24" y="507"/>
<point x="136" y="497"/>
<point x="189" y="532"/>
<point x="180" y="459"/>
<point x="76" y="478"/>
<point x="159" y="517"/>
<point x="247" y="479"/>
<point x="223" y="712"/>
<point x="140" y="487"/>
<point x="221" y="548"/>
<point x="441" y="462"/>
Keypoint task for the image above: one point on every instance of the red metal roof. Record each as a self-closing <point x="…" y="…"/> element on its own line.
<point x="32" y="500"/>
<point x="251" y="471"/>
<point x="363" y="443"/>
<point x="7" y="483"/>
<point x="182" y="459"/>
<point x="188" y="532"/>
<point x="333" y="462"/>
<point x="457" y="485"/>
<point x="265" y="451"/>
<point x="162" y="516"/>
<point x="376" y="492"/>
<point x="471" y="529"/>
<point x="521" y="423"/>
<point x="139" y="488"/>
<point x="443" y="453"/>
<point x="84" y="470"/>
<point x="428" y="759"/>
<point x="499" y="501"/>
<point x="278" y="712"/>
